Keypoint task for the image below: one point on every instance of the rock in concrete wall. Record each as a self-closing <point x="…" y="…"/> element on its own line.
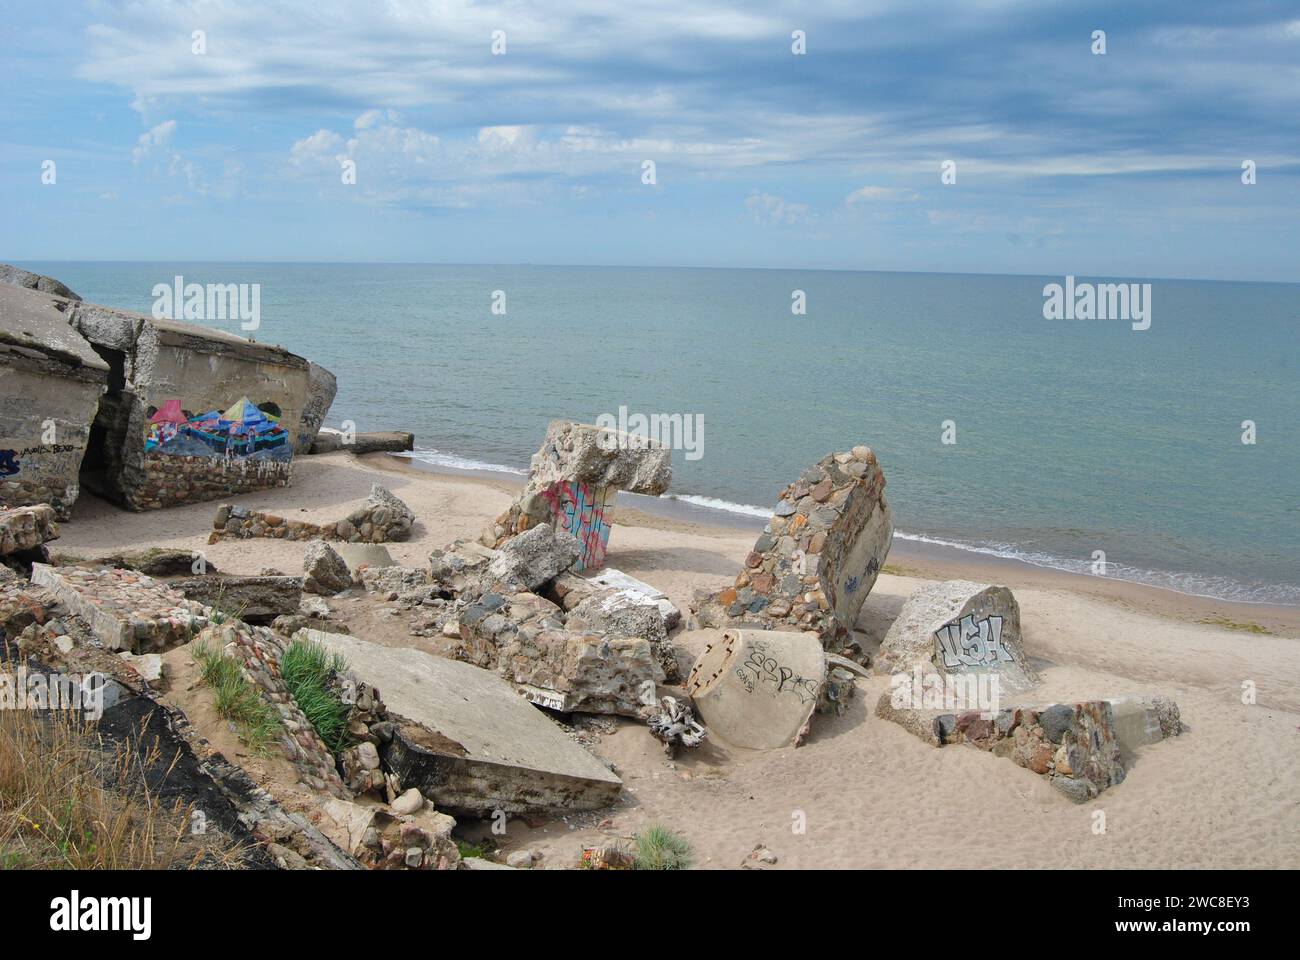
<point x="191" y="413"/>
<point x="50" y="384"/>
<point x="818" y="557"/>
<point x="573" y="481"/>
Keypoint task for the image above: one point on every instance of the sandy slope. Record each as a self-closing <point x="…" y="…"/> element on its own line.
<point x="1227" y="793"/>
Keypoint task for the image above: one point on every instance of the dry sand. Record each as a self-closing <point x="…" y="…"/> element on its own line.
<point x="1225" y="794"/>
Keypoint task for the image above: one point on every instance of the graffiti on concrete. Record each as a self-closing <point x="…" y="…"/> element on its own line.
<point x="761" y="668"/>
<point x="583" y="511"/>
<point x="968" y="643"/>
<point x="245" y="431"/>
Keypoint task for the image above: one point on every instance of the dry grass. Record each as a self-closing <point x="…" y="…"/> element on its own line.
<point x="66" y="802"/>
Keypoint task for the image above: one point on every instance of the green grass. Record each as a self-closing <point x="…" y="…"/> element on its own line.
<point x="238" y="700"/>
<point x="482" y="849"/>
<point x="308" y="668"/>
<point x="658" y="848"/>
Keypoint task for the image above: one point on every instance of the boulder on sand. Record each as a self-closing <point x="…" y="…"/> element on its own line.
<point x="324" y="571"/>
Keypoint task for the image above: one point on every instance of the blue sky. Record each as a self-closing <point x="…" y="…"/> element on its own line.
<point x="1124" y="164"/>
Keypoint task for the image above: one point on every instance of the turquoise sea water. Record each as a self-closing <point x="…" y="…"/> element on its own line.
<point x="1072" y="436"/>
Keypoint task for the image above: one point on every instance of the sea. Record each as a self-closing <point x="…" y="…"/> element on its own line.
<point x="1173" y="452"/>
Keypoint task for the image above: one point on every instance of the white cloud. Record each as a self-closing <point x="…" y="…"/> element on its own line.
<point x="771" y="210"/>
<point x="158" y="136"/>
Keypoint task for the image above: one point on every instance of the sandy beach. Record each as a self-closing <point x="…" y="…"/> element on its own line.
<point x="1224" y="794"/>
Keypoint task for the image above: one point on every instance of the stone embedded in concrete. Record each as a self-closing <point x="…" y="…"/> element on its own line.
<point x="459" y="567"/>
<point x="50" y="386"/>
<point x="532" y="559"/>
<point x="126" y="610"/>
<point x="258" y="651"/>
<point x="626" y="613"/>
<point x="25" y="528"/>
<point x="324" y="571"/>
<point x="818" y="557"/>
<point x="251" y="599"/>
<point x="383" y="518"/>
<point x="472" y="743"/>
<point x="1082" y="748"/>
<point x="958" y="627"/>
<point x="191" y="413"/>
<point x="524" y="638"/>
<point x="321" y="387"/>
<point x="572" y="483"/>
<point x="758" y="688"/>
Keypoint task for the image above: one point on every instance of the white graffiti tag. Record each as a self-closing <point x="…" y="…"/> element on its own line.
<point x="968" y="644"/>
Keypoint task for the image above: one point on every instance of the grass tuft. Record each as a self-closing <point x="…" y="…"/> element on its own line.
<point x="309" y="670"/>
<point x="238" y="700"/>
<point x="658" y="848"/>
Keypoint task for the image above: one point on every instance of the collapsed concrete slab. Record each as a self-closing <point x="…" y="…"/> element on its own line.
<point x="524" y="638"/>
<point x="818" y="557"/>
<point x="573" y="480"/>
<point x="473" y="744"/>
<point x="191" y="413"/>
<point x="324" y="571"/>
<point x="255" y="599"/>
<point x="959" y="627"/>
<point x="532" y="559"/>
<point x="26" y="528"/>
<point x="383" y="518"/>
<point x="126" y="610"/>
<point x="1082" y="748"/>
<point x="50" y="385"/>
<point x="18" y="277"/>
<point x="758" y="688"/>
<point x="379" y="441"/>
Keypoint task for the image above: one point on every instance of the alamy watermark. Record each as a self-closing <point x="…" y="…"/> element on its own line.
<point x="921" y="690"/>
<point x="22" y="690"/>
<point x="213" y="301"/>
<point x="1098" y="301"/>
<point x="676" y="431"/>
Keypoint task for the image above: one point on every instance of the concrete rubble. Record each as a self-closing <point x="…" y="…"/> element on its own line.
<point x="758" y="688"/>
<point x="958" y="627"/>
<point x="571" y="589"/>
<point x="818" y="557"/>
<point x="468" y="741"/>
<point x="573" y="480"/>
<point x="383" y="518"/>
<point x="126" y="610"/>
<point x="1082" y="748"/>
<point x="255" y="599"/>
<point x="24" y="529"/>
<point x="324" y="571"/>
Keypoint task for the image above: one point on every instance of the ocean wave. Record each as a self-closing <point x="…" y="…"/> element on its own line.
<point x="713" y="503"/>
<point x="439" y="459"/>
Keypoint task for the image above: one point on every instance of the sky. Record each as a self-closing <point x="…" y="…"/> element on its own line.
<point x="812" y="136"/>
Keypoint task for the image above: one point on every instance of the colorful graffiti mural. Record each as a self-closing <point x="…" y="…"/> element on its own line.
<point x="585" y="512"/>
<point x="244" y="431"/>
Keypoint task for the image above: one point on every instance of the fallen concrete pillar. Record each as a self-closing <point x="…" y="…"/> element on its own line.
<point x="817" y="558"/>
<point x="473" y="744"/>
<point x="126" y="610"/>
<point x="573" y="480"/>
<point x="758" y="688"/>
<point x="958" y="627"/>
<point x="51" y="381"/>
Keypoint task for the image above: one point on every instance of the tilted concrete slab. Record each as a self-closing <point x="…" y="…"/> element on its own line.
<point x="476" y="745"/>
<point x="125" y="610"/>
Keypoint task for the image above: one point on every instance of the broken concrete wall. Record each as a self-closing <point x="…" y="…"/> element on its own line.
<point x="573" y="481"/>
<point x="818" y="557"/>
<point x="50" y="385"/>
<point x="959" y="627"/>
<point x="191" y="413"/>
<point x="383" y="518"/>
<point x="321" y="387"/>
<point x="18" y="277"/>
